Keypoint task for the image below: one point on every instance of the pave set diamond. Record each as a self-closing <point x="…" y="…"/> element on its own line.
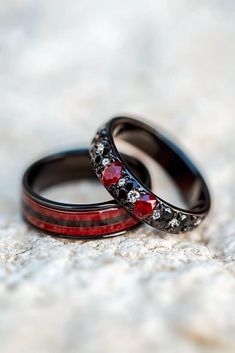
<point x="138" y="200"/>
<point x="133" y="196"/>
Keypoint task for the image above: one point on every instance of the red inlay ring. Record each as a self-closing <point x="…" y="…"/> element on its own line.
<point x="73" y="220"/>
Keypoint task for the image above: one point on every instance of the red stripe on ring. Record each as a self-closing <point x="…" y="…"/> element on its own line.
<point x="81" y="231"/>
<point x="76" y="215"/>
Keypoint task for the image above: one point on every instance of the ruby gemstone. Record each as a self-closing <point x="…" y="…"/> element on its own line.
<point x="144" y="206"/>
<point x="112" y="173"/>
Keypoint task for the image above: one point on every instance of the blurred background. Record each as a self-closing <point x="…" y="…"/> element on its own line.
<point x="65" y="68"/>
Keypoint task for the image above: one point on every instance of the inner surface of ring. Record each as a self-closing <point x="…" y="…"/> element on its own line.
<point x="169" y="156"/>
<point x="72" y="166"/>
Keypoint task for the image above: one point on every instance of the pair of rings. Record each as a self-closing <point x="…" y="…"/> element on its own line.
<point x="126" y="179"/>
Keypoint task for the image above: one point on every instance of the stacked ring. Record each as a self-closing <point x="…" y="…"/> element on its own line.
<point x="73" y="220"/>
<point x="132" y="193"/>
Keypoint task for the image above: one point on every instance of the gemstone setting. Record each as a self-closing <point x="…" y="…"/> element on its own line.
<point x="112" y="173"/>
<point x="156" y="214"/>
<point x="122" y="182"/>
<point x="197" y="221"/>
<point x="105" y="161"/>
<point x="122" y="194"/>
<point x="100" y="148"/>
<point x="133" y="196"/>
<point x="174" y="223"/>
<point x="167" y="213"/>
<point x="144" y="205"/>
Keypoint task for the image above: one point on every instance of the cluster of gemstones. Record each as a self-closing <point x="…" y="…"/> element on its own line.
<point x="133" y="195"/>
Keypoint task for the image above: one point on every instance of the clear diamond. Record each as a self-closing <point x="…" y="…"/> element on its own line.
<point x="197" y="221"/>
<point x="174" y="223"/>
<point x="133" y="196"/>
<point x="105" y="161"/>
<point x="156" y="215"/>
<point x="183" y="217"/>
<point x="100" y="148"/>
<point x="122" y="182"/>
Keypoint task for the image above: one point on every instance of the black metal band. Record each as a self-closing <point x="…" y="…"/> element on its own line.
<point x="73" y="220"/>
<point x="126" y="187"/>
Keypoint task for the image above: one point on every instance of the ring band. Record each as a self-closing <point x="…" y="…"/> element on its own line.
<point x="73" y="220"/>
<point x="136" y="197"/>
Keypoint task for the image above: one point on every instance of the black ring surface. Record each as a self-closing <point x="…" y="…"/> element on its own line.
<point x="174" y="161"/>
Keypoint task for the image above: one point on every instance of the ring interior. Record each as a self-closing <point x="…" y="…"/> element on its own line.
<point x="70" y="166"/>
<point x="178" y="166"/>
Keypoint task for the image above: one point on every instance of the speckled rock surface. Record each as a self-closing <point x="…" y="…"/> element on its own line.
<point x="66" y="66"/>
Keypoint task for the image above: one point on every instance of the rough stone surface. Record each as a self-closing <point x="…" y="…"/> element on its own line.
<point x="65" y="67"/>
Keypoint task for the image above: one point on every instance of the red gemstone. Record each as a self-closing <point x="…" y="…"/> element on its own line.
<point x="145" y="206"/>
<point x="112" y="173"/>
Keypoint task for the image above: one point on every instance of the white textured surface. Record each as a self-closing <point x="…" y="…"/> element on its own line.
<point x="65" y="66"/>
